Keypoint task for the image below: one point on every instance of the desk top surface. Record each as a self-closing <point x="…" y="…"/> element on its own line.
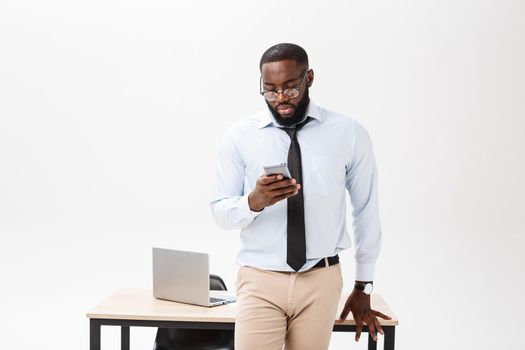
<point x="139" y="304"/>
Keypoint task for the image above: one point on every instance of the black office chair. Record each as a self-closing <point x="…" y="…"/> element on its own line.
<point x="196" y="339"/>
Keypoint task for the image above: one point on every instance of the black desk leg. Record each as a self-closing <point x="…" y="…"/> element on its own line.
<point x="124" y="337"/>
<point x="390" y="332"/>
<point x="372" y="344"/>
<point x="94" y="334"/>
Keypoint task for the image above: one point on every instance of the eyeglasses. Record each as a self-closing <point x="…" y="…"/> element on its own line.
<point x="288" y="92"/>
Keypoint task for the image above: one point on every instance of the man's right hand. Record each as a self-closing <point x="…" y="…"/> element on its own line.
<point x="271" y="189"/>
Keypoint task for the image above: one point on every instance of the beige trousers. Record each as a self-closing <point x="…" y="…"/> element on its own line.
<point x="291" y="309"/>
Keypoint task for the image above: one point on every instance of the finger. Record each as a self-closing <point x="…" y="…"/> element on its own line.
<point x="283" y="190"/>
<point x="377" y="325"/>
<point x="283" y="196"/>
<point x="281" y="183"/>
<point x="346" y="310"/>
<point x="377" y="313"/>
<point x="268" y="179"/>
<point x="344" y="313"/>
<point x="371" y="327"/>
<point x="358" y="328"/>
<point x="277" y="185"/>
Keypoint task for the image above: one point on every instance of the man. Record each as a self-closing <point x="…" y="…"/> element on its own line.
<point x="289" y="282"/>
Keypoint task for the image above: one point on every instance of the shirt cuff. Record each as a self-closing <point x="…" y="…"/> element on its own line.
<point x="244" y="206"/>
<point x="364" y="272"/>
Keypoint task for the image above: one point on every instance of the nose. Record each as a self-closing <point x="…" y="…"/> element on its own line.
<point x="281" y="97"/>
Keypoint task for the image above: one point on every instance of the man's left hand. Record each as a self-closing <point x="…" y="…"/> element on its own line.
<point x="359" y="303"/>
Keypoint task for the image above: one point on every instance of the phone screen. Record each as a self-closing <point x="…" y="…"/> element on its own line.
<point x="277" y="169"/>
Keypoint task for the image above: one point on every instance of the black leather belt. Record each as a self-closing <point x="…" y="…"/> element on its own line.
<point x="331" y="261"/>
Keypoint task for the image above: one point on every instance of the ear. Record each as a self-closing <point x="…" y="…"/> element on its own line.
<point x="310" y="77"/>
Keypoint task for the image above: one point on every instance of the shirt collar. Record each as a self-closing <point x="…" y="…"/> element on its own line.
<point x="267" y="116"/>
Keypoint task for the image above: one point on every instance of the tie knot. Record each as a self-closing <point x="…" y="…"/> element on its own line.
<point x="293" y="131"/>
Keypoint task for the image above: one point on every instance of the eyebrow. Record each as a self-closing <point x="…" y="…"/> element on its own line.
<point x="286" y="82"/>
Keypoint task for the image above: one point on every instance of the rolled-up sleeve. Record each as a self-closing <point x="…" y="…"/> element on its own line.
<point x="229" y="204"/>
<point x="361" y="183"/>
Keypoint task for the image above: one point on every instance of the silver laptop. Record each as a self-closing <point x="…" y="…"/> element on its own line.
<point x="184" y="277"/>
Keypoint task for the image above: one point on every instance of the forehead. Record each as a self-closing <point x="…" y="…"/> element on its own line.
<point x="281" y="71"/>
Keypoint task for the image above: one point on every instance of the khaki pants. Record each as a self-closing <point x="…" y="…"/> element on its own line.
<point x="295" y="310"/>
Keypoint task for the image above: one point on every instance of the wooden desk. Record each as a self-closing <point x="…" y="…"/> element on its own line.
<point x="138" y="308"/>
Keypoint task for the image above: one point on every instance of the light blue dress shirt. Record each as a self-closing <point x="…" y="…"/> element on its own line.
<point x="337" y="155"/>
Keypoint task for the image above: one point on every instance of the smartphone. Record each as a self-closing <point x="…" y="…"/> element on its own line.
<point x="281" y="169"/>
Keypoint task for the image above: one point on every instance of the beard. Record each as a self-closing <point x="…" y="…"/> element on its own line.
<point x="297" y="116"/>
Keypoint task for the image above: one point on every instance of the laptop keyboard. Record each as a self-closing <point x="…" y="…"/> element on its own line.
<point x="216" y="300"/>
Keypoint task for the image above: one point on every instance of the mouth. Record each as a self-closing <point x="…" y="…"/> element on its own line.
<point x="285" y="110"/>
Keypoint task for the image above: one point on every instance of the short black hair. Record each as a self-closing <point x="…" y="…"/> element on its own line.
<point x="284" y="51"/>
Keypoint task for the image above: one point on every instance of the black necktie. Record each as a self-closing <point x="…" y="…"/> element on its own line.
<point x="296" y="242"/>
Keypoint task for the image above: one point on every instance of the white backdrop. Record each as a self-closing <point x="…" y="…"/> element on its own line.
<point x="111" y="113"/>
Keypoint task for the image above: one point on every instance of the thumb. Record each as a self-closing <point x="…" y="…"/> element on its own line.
<point x="343" y="315"/>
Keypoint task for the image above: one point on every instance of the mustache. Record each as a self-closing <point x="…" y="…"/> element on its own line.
<point x="285" y="105"/>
